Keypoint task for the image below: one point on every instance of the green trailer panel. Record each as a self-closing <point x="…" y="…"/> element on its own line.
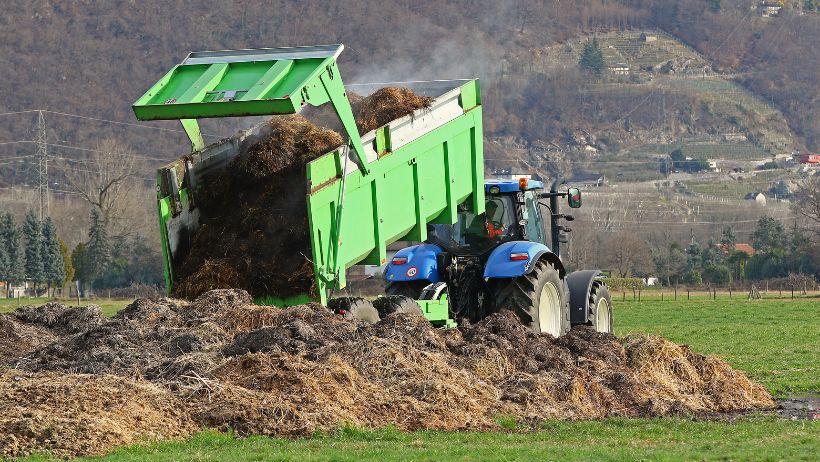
<point x="382" y="187"/>
<point x="418" y="183"/>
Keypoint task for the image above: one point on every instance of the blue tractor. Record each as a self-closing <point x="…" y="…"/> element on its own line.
<point x="506" y="258"/>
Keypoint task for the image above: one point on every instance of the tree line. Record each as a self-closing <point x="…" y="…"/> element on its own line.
<point x="778" y="252"/>
<point x="32" y="252"/>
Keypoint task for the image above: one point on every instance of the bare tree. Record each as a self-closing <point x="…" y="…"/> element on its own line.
<point x="808" y="201"/>
<point x="627" y="254"/>
<point x="104" y="180"/>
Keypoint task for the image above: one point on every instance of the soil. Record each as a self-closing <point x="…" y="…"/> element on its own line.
<point x="255" y="233"/>
<point x="222" y="362"/>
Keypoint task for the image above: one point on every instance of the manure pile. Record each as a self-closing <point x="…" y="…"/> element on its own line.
<point x="255" y="235"/>
<point x="164" y="368"/>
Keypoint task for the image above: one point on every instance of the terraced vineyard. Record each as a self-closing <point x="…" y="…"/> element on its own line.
<point x="707" y="150"/>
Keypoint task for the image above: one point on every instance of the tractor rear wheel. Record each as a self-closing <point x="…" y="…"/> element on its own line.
<point x="354" y="308"/>
<point x="538" y="299"/>
<point x="411" y="289"/>
<point x="600" y="307"/>
<point x="390" y="304"/>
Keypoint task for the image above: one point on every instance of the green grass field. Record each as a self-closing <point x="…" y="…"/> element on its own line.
<point x="759" y="439"/>
<point x="776" y="341"/>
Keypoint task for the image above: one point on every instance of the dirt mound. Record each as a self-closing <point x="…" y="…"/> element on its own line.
<point x="264" y="370"/>
<point x="256" y="234"/>
<point x="31" y="327"/>
<point x="60" y="318"/>
<point x="18" y="339"/>
<point x="68" y="415"/>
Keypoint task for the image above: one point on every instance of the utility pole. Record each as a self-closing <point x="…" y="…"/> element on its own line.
<point x="42" y="166"/>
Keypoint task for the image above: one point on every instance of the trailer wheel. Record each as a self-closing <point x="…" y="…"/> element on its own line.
<point x="411" y="289"/>
<point x="354" y="308"/>
<point x="390" y="304"/>
<point x="600" y="307"/>
<point x="538" y="299"/>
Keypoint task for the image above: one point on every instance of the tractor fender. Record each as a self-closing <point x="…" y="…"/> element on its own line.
<point x="421" y="264"/>
<point x="579" y="284"/>
<point x="499" y="264"/>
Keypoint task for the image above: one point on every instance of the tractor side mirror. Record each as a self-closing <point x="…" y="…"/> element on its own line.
<point x="574" y="198"/>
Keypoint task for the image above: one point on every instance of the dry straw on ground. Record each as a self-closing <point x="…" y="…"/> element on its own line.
<point x="222" y="362"/>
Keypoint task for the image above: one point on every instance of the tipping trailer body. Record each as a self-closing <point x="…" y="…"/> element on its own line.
<point x="381" y="187"/>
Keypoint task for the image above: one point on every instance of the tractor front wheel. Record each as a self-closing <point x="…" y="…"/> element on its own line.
<point x="354" y="308"/>
<point x="600" y="307"/>
<point x="538" y="299"/>
<point x="411" y="289"/>
<point x="390" y="304"/>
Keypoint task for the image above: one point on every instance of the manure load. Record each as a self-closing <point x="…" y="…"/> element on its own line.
<point x="284" y="208"/>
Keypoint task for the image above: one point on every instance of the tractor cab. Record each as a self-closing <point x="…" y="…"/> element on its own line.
<point x="511" y="214"/>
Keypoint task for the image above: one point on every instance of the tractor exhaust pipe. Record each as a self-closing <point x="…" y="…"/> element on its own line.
<point x="555" y="215"/>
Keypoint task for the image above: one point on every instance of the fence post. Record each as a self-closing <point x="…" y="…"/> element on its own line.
<point x="714" y="293"/>
<point x="730" y="292"/>
<point x="792" y="292"/>
<point x="624" y="296"/>
<point x="661" y="295"/>
<point x="676" y="292"/>
<point x="639" y="294"/>
<point x="687" y="294"/>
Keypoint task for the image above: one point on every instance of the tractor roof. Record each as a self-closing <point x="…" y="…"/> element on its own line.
<point x="508" y="186"/>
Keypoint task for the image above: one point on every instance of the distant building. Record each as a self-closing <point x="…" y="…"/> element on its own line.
<point x="713" y="166"/>
<point x="619" y="68"/>
<point x="14" y="291"/>
<point x="758" y="197"/>
<point x="768" y="9"/>
<point x="746" y="248"/>
<point x="809" y="159"/>
<point x="648" y="38"/>
<point x="587" y="180"/>
<point x="734" y="137"/>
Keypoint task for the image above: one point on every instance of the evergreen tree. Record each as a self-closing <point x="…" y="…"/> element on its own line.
<point x="99" y="248"/>
<point x="769" y="236"/>
<point x="53" y="264"/>
<point x="14" y="272"/>
<point x="82" y="269"/>
<point x="32" y="233"/>
<point x="68" y="264"/>
<point x="728" y="239"/>
<point x="592" y="58"/>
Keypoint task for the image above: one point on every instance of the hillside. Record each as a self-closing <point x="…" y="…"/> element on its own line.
<point x="95" y="59"/>
<point x="732" y="72"/>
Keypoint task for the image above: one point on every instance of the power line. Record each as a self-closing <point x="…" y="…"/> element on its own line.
<point x="80" y="148"/>
<point x="30" y="111"/>
<point x="129" y="124"/>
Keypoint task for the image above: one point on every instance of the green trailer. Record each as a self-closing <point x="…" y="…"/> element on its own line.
<point x="384" y="186"/>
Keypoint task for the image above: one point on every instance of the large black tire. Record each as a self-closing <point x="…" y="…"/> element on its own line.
<point x="600" y="307"/>
<point x="354" y="308"/>
<point x="411" y="289"/>
<point x="390" y="304"/>
<point x="538" y="298"/>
